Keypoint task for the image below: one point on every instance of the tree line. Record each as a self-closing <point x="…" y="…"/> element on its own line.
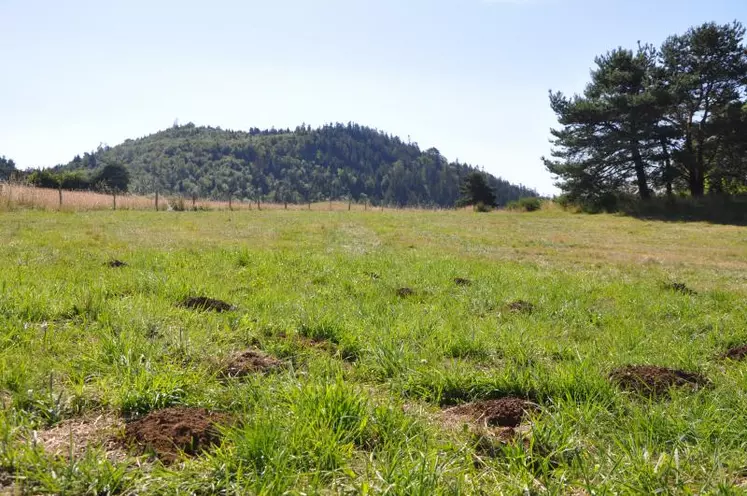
<point x="337" y="161"/>
<point x="657" y="121"/>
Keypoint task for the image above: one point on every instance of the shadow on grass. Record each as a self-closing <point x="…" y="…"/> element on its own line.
<point x="716" y="209"/>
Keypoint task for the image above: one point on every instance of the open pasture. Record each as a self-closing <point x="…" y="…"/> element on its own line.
<point x="370" y="353"/>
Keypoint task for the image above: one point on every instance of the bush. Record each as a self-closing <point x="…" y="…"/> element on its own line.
<point x="529" y="204"/>
<point x="483" y="207"/>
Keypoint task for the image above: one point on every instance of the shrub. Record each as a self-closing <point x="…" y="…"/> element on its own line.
<point x="483" y="207"/>
<point x="529" y="204"/>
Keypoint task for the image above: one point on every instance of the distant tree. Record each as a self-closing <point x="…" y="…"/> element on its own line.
<point x="475" y="190"/>
<point x="113" y="178"/>
<point x="7" y="168"/>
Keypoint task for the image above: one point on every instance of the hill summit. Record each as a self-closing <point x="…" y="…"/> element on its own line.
<point x="337" y="161"/>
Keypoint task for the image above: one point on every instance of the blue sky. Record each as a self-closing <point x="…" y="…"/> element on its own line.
<point x="469" y="77"/>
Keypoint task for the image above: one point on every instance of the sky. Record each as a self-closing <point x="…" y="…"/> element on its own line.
<point x="469" y="77"/>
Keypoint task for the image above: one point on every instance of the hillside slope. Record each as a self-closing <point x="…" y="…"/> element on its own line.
<point x="335" y="161"/>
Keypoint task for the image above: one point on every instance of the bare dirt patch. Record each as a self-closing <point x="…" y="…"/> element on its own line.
<point x="520" y="306"/>
<point x="503" y="412"/>
<point x="203" y="303"/>
<point x="250" y="362"/>
<point x="680" y="287"/>
<point x="461" y="281"/>
<point x="736" y="353"/>
<point x="75" y="436"/>
<point x="492" y="423"/>
<point x="653" y="380"/>
<point x="405" y="292"/>
<point x="170" y="432"/>
<point x="116" y="264"/>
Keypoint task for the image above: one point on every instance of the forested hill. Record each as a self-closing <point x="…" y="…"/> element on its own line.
<point x="337" y="161"/>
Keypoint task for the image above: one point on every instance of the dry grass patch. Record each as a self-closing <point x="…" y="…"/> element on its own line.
<point x="75" y="436"/>
<point x="655" y="381"/>
<point x="250" y="362"/>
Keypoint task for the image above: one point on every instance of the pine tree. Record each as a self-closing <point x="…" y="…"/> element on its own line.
<point x="475" y="190"/>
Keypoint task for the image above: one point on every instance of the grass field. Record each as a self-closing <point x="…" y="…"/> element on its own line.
<point x="359" y="398"/>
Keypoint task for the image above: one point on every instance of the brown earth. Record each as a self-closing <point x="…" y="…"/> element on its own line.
<point x="114" y="264"/>
<point x="172" y="431"/>
<point x="250" y="362"/>
<point x="737" y="353"/>
<point x="405" y="292"/>
<point x="460" y="281"/>
<point x="503" y="412"/>
<point x="205" y="303"/>
<point x="521" y="306"/>
<point x="652" y="380"/>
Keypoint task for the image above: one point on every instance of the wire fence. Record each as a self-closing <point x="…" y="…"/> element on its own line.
<point x="20" y="195"/>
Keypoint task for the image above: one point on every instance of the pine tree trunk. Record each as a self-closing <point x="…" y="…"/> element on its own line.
<point x="60" y="193"/>
<point x="668" y="171"/>
<point x="156" y="200"/>
<point x="696" y="181"/>
<point x="640" y="173"/>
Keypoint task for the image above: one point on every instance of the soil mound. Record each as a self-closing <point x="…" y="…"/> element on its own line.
<point x="738" y="353"/>
<point x="203" y="303"/>
<point x="652" y="380"/>
<point x="172" y="431"/>
<point x="115" y="264"/>
<point x="460" y="281"/>
<point x="405" y="292"/>
<point x="680" y="287"/>
<point x="251" y="362"/>
<point x="520" y="306"/>
<point x="503" y="412"/>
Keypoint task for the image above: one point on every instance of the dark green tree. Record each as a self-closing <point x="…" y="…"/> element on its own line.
<point x="7" y="168"/>
<point x="729" y="147"/>
<point x="652" y="121"/>
<point x="476" y="190"/>
<point x="705" y="71"/>
<point x="113" y="178"/>
<point x="610" y="135"/>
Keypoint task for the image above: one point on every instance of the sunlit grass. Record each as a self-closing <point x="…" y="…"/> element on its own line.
<point x="356" y="408"/>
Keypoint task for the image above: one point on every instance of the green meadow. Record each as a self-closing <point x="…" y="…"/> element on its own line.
<point x="368" y="369"/>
